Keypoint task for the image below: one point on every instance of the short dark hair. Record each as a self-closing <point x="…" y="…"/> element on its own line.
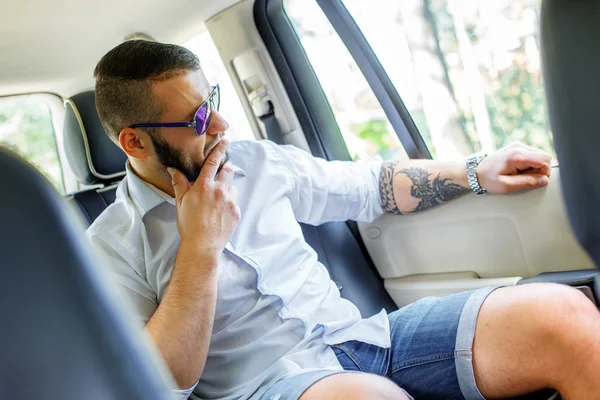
<point x="124" y="78"/>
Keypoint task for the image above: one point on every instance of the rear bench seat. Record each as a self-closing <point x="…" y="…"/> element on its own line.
<point x="96" y="160"/>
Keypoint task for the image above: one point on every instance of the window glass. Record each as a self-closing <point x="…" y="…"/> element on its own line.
<point x="363" y="123"/>
<point x="467" y="70"/>
<point x="214" y="69"/>
<point x="26" y="128"/>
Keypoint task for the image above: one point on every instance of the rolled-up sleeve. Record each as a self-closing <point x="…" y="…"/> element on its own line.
<point x="133" y="288"/>
<point x="324" y="191"/>
<point x="183" y="394"/>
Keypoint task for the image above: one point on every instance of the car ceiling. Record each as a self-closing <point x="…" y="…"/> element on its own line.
<point x="54" y="45"/>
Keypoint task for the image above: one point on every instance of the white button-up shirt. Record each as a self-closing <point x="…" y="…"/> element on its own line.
<point x="277" y="309"/>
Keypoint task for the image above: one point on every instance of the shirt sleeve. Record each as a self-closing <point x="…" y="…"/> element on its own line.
<point x="324" y="191"/>
<point x="131" y="285"/>
<point x="183" y="394"/>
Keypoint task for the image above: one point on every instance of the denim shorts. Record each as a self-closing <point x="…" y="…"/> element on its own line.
<point x="431" y="356"/>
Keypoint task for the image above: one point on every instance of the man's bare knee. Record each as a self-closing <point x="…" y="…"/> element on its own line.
<point x="564" y="315"/>
<point x="354" y="386"/>
<point x="524" y="333"/>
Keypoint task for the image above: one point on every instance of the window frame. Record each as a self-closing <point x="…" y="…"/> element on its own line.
<point x="373" y="71"/>
<point x="300" y="81"/>
<point x="304" y="89"/>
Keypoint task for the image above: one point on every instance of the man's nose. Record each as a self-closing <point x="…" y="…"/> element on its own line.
<point x="217" y="124"/>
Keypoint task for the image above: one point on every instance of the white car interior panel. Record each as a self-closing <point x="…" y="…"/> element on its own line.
<point x="487" y="240"/>
<point x="412" y="288"/>
<point x="252" y="71"/>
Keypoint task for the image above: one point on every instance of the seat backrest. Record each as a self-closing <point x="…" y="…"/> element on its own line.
<point x="338" y="248"/>
<point x="349" y="267"/>
<point x="63" y="336"/>
<point x="571" y="66"/>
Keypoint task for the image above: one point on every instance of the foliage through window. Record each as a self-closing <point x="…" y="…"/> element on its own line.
<point x="468" y="70"/>
<point x="362" y="121"/>
<point x="26" y="128"/>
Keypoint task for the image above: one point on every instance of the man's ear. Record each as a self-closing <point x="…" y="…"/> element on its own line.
<point x="135" y="142"/>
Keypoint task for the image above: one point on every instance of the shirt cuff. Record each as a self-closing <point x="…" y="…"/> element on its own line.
<point x="183" y="394"/>
<point x="373" y="192"/>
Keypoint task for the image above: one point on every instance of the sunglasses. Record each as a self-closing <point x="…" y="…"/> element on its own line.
<point x="201" y="119"/>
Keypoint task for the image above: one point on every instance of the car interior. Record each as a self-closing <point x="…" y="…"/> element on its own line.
<point x="67" y="335"/>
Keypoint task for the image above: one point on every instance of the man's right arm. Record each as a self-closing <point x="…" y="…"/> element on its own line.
<point x="182" y="324"/>
<point x="207" y="214"/>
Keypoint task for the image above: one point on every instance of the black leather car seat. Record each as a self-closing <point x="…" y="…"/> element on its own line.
<point x="93" y="157"/>
<point x="571" y="68"/>
<point x="63" y="336"/>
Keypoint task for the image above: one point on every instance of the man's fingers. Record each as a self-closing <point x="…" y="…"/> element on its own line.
<point x="213" y="161"/>
<point x="545" y="170"/>
<point x="226" y="174"/>
<point x="180" y="183"/>
<point x="512" y="183"/>
<point x="523" y="160"/>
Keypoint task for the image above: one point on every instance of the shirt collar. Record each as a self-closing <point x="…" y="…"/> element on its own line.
<point x="147" y="196"/>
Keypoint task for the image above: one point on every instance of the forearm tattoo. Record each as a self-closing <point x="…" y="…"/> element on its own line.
<point x="386" y="188"/>
<point x="430" y="193"/>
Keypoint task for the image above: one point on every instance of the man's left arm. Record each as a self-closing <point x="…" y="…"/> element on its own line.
<point x="418" y="185"/>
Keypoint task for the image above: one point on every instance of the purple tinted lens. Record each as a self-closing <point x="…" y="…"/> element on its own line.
<point x="202" y="119"/>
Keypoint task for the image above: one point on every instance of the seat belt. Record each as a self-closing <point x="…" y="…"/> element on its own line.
<point x="272" y="127"/>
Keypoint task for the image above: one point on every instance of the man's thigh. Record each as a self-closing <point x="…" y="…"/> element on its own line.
<point x="432" y="348"/>
<point x="334" y="385"/>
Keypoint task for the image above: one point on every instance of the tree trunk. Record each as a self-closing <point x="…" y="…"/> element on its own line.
<point x="474" y="85"/>
<point x="439" y="105"/>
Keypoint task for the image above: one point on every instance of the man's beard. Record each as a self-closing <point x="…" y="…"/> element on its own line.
<point x="170" y="157"/>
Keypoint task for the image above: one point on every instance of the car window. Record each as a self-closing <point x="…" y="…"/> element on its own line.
<point x="362" y="121"/>
<point x="467" y="70"/>
<point x="214" y="69"/>
<point x="26" y="128"/>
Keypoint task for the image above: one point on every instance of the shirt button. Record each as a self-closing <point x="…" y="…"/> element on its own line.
<point x="301" y="267"/>
<point x="284" y="310"/>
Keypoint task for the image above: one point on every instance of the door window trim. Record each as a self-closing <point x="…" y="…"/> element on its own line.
<point x="381" y="84"/>
<point x="304" y="89"/>
<point x="300" y="81"/>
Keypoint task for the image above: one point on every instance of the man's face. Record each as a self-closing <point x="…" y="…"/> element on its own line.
<point x="182" y="148"/>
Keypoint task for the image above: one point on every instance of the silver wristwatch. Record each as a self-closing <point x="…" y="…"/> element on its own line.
<point x="472" y="163"/>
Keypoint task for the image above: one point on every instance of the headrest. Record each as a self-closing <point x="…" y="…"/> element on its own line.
<point x="570" y="64"/>
<point x="93" y="157"/>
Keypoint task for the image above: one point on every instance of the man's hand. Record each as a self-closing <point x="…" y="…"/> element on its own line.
<point x="207" y="213"/>
<point x="513" y="168"/>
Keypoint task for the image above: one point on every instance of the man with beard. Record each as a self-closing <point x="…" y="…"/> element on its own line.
<point x="211" y="256"/>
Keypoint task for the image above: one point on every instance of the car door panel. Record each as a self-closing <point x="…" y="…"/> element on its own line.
<point x="474" y="241"/>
